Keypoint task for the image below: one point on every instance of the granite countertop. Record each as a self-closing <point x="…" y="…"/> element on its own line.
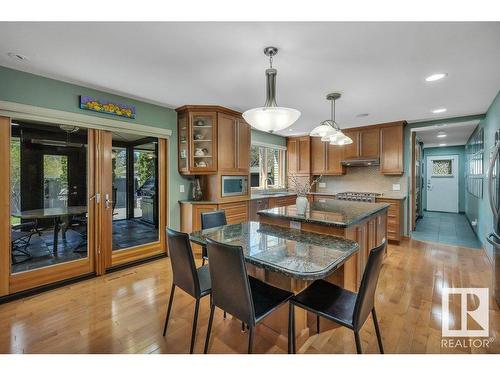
<point x="334" y="213"/>
<point x="395" y="195"/>
<point x="197" y="202"/>
<point x="294" y="253"/>
<point x="272" y="195"/>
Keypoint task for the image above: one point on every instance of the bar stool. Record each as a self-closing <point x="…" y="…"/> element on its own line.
<point x="246" y="298"/>
<point x="195" y="282"/>
<point x="342" y="306"/>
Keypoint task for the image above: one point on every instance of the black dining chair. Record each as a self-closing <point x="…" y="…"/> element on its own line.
<point x="195" y="282"/>
<point x="346" y="308"/>
<point x="244" y="297"/>
<point x="209" y="220"/>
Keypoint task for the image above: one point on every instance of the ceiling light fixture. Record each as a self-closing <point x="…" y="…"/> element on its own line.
<point x="329" y="130"/>
<point x="442" y="144"/>
<point x="271" y="118"/>
<point x="439" y="110"/>
<point x="441" y="134"/>
<point x="436" y="77"/>
<point x="362" y="115"/>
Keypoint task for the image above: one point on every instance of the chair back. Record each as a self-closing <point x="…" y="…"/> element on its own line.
<point x="184" y="271"/>
<point x="230" y="286"/>
<point x="366" y="295"/>
<point x="213" y="219"/>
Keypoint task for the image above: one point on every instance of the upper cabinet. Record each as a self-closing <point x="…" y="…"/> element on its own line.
<point x="365" y="143"/>
<point x="234" y="144"/>
<point x="391" y="148"/>
<point x="212" y="139"/>
<point x="369" y="141"/>
<point x="298" y="155"/>
<point x="325" y="158"/>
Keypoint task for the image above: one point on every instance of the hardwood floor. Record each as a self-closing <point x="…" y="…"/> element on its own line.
<point x="123" y="312"/>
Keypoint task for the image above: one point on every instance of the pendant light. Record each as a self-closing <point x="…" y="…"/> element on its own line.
<point x="271" y="118"/>
<point x="329" y="130"/>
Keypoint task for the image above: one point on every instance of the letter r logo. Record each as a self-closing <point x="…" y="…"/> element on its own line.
<point x="477" y="315"/>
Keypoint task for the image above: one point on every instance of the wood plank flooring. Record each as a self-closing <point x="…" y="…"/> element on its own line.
<point x="123" y="312"/>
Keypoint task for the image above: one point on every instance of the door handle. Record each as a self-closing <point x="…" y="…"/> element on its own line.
<point x="107" y="202"/>
<point x="493" y="239"/>
<point x="493" y="203"/>
<point x="97" y="198"/>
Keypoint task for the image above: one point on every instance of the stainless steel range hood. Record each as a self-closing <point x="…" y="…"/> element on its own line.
<point x="360" y="162"/>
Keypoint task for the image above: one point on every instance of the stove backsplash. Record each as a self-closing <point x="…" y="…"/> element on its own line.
<point x="366" y="179"/>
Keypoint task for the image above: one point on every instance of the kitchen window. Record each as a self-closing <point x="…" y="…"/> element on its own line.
<point x="267" y="167"/>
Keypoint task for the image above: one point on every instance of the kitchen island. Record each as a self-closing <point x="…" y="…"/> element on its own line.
<point x="287" y="258"/>
<point x="365" y="223"/>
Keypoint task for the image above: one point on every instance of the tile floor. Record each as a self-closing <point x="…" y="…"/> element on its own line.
<point x="446" y="228"/>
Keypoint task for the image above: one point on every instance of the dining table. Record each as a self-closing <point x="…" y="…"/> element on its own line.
<point x="287" y="258"/>
<point x="57" y="214"/>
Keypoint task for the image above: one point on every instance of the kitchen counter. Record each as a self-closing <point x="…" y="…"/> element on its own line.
<point x="333" y="213"/>
<point x="290" y="252"/>
<point x="395" y="195"/>
<point x="272" y="195"/>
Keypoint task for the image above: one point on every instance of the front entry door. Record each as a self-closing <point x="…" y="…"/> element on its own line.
<point x="133" y="198"/>
<point x="442" y="183"/>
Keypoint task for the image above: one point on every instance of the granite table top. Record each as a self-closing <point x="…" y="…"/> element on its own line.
<point x="294" y="253"/>
<point x="332" y="212"/>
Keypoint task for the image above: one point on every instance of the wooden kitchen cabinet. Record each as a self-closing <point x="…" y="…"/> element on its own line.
<point x="233" y="138"/>
<point x="391" y="149"/>
<point x="351" y="150"/>
<point x="369" y="143"/>
<point x="326" y="159"/>
<point x="211" y="140"/>
<point x="256" y="205"/>
<point x="395" y="218"/>
<point x="299" y="155"/>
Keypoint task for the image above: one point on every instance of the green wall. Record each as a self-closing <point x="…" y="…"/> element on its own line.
<point x="258" y="136"/>
<point x="441" y="151"/>
<point x="25" y="88"/>
<point x="478" y="208"/>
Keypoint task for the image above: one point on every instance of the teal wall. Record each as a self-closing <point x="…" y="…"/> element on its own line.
<point x="476" y="208"/>
<point x="407" y="151"/>
<point x="25" y="88"/>
<point x="445" y="151"/>
<point x="258" y="136"/>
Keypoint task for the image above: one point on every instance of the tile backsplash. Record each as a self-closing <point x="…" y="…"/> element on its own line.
<point x="367" y="179"/>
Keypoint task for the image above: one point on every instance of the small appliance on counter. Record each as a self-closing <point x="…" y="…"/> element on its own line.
<point x="358" y="196"/>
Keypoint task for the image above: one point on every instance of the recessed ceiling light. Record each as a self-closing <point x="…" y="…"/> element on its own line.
<point x="17" y="56"/>
<point x="442" y="144"/>
<point x="441" y="134"/>
<point x="362" y="115"/>
<point x="290" y="130"/>
<point x="439" y="110"/>
<point x="436" y="77"/>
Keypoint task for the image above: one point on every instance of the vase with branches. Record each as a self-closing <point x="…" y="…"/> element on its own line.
<point x="302" y="187"/>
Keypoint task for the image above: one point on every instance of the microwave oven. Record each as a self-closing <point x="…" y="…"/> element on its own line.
<point x="234" y="185"/>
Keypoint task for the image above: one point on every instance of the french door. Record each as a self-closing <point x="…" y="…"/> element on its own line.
<point x="76" y="201"/>
<point x="132" y="198"/>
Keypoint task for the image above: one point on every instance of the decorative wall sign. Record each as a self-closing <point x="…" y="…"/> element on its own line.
<point x="97" y="105"/>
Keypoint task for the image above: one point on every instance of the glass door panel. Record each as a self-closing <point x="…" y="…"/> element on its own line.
<point x="49" y="212"/>
<point x="135" y="204"/>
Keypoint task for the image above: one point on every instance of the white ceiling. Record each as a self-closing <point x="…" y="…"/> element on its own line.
<point x="380" y="68"/>
<point x="456" y="133"/>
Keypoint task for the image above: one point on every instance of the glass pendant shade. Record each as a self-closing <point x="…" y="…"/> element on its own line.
<point x="340" y="140"/>
<point x="271" y="118"/>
